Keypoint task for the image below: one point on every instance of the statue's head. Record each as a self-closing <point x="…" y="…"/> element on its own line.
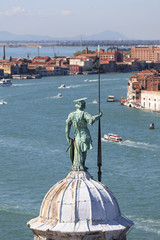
<point x="80" y="103"/>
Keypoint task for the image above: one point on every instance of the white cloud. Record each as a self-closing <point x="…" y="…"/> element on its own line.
<point x="66" y="12"/>
<point x="15" y="11"/>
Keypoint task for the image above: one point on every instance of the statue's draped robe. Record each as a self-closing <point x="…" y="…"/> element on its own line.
<point x="82" y="138"/>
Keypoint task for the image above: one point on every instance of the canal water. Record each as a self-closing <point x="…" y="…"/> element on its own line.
<point x="33" y="150"/>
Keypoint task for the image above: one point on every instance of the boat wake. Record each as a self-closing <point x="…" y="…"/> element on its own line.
<point x="55" y="97"/>
<point x="25" y="84"/>
<point x="13" y="208"/>
<point x="143" y="145"/>
<point x="63" y="86"/>
<point x="77" y="86"/>
<point x="93" y="80"/>
<point x="147" y="225"/>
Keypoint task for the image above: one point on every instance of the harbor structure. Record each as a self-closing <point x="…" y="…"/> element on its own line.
<point x="79" y="207"/>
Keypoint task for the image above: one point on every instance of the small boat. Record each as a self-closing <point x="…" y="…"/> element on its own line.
<point x="3" y="102"/>
<point x="59" y="95"/>
<point x="151" y="126"/>
<point x="5" y="82"/>
<point x="63" y="86"/>
<point x="95" y="101"/>
<point x="110" y="99"/>
<point x="112" y="137"/>
<point x="86" y="80"/>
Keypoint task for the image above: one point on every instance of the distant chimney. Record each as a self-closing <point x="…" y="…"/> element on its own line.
<point x="4" y="52"/>
<point x="86" y="50"/>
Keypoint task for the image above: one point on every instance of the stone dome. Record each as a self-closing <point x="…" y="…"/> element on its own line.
<point x="79" y="204"/>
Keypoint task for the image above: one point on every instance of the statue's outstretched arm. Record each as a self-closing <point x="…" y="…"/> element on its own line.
<point x="91" y="119"/>
<point x="96" y="117"/>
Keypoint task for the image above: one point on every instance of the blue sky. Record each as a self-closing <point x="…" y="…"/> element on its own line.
<point x="136" y="19"/>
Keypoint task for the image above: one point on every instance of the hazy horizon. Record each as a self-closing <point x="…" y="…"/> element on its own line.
<point x="137" y="20"/>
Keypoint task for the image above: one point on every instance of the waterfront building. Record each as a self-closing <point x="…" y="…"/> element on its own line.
<point x="151" y="53"/>
<point x="8" y="68"/>
<point x="75" y="69"/>
<point x="151" y="100"/>
<point x="112" y="55"/>
<point x="85" y="62"/>
<point x="65" y="69"/>
<point x="144" y="88"/>
<point x="1" y="73"/>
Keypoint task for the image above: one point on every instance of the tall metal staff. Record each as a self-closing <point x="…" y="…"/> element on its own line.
<point x="99" y="155"/>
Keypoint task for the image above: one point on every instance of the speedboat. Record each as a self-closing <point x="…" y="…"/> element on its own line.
<point x="5" y="82"/>
<point x="3" y="102"/>
<point x="59" y="95"/>
<point x="63" y="86"/>
<point x="110" y="99"/>
<point x="151" y="126"/>
<point x="95" y="101"/>
<point x="112" y="137"/>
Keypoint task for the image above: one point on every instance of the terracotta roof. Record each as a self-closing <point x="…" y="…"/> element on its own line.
<point x="42" y="58"/>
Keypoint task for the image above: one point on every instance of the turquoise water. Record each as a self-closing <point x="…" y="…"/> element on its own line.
<point x="33" y="151"/>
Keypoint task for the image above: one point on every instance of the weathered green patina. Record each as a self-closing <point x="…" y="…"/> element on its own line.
<point x="82" y="141"/>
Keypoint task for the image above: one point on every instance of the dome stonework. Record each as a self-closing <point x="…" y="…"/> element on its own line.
<point x="78" y="207"/>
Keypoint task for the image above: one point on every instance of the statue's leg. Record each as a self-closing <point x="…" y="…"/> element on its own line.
<point x="78" y="158"/>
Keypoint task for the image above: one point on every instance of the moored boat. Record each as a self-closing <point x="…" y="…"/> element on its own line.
<point x="5" y="82"/>
<point x="110" y="99"/>
<point x="112" y="137"/>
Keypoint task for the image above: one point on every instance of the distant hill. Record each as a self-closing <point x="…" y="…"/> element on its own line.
<point x="106" y="35"/>
<point x="7" y="36"/>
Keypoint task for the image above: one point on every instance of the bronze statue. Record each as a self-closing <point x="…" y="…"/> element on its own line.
<point x="82" y="141"/>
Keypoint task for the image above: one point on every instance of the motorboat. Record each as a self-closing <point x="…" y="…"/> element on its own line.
<point x="95" y="101"/>
<point x="63" y="86"/>
<point x="110" y="99"/>
<point x="112" y="137"/>
<point x="59" y="95"/>
<point x="5" y="82"/>
<point x="3" y="102"/>
<point x="151" y="126"/>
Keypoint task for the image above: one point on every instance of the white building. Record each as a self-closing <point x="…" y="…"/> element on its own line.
<point x="83" y="62"/>
<point x="150" y="100"/>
